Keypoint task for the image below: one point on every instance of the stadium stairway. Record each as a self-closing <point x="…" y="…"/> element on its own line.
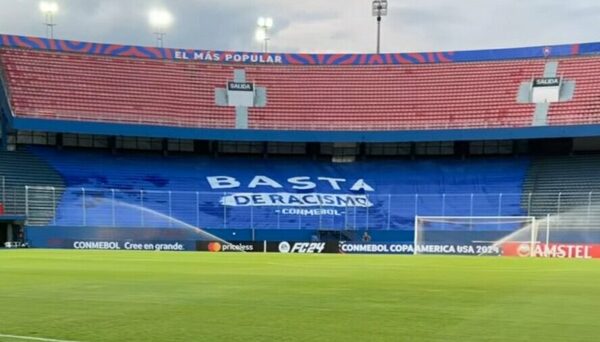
<point x="21" y="169"/>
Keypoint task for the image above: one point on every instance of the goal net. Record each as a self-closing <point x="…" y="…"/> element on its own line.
<point x="473" y="235"/>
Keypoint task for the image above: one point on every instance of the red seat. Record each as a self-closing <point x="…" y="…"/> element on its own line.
<point x="585" y="106"/>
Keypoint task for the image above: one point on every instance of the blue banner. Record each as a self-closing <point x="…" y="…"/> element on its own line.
<point x="237" y="193"/>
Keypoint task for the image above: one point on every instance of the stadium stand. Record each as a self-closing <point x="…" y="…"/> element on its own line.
<point x="95" y="188"/>
<point x="562" y="184"/>
<point x="585" y="108"/>
<point x="563" y="174"/>
<point x="90" y="105"/>
<point x="92" y="88"/>
<point x="167" y="180"/>
<point x="38" y="173"/>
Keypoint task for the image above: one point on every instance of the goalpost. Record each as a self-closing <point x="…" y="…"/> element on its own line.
<point x="473" y="235"/>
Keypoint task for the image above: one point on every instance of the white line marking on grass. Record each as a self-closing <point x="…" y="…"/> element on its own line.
<point x="31" y="338"/>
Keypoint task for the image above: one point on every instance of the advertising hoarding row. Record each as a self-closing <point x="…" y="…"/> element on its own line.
<point x="509" y="249"/>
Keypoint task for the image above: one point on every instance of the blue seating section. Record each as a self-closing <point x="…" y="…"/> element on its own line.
<point x="147" y="190"/>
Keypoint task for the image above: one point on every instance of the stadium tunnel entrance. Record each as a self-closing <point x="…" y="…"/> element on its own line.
<point x="11" y="231"/>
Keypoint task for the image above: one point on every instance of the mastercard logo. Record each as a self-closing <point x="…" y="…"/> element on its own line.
<point x="214" y="247"/>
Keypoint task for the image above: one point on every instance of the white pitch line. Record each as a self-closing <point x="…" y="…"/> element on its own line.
<point x="31" y="338"/>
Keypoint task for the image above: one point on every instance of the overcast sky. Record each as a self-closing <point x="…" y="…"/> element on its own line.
<point x="318" y="25"/>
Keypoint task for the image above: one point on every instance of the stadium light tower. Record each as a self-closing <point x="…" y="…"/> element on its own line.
<point x="160" y="20"/>
<point x="380" y="9"/>
<point x="49" y="9"/>
<point x="262" y="33"/>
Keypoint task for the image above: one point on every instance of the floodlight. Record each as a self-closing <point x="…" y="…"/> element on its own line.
<point x="48" y="7"/>
<point x="160" y="18"/>
<point x="380" y="8"/>
<point x="265" y="22"/>
<point x="269" y="22"/>
<point x="262" y="33"/>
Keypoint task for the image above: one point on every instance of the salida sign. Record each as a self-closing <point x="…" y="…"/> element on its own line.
<point x="296" y="192"/>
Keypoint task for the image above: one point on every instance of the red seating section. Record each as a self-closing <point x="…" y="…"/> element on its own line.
<point x="176" y="93"/>
<point x="585" y="106"/>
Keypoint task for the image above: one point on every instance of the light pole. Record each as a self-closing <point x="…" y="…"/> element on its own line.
<point x="160" y="20"/>
<point x="49" y="9"/>
<point x="380" y="9"/>
<point x="262" y="33"/>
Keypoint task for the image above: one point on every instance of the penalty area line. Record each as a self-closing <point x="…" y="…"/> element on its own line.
<point x="32" y="338"/>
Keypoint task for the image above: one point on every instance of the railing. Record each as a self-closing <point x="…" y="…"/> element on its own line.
<point x="344" y="126"/>
<point x="49" y="206"/>
<point x="12" y="199"/>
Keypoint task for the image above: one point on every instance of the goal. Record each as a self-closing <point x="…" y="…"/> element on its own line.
<point x="472" y="235"/>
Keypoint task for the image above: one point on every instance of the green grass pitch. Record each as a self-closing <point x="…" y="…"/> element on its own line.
<point x="150" y="296"/>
